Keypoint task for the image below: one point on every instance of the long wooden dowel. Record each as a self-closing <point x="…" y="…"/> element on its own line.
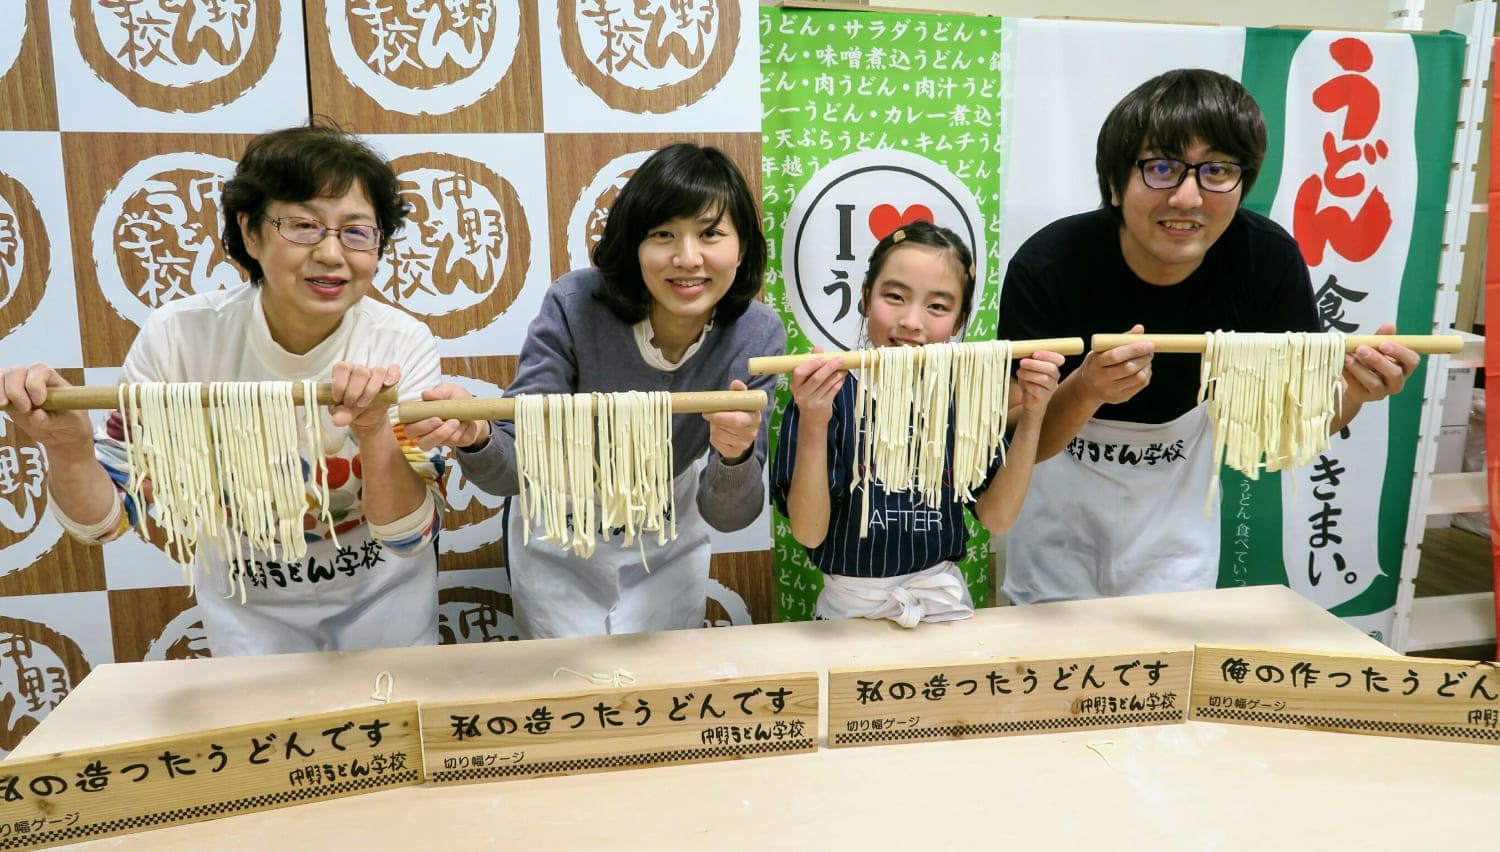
<point x="1422" y="344"/>
<point x="767" y="365"/>
<point x="87" y="397"/>
<point x="687" y="402"/>
<point x="691" y="402"/>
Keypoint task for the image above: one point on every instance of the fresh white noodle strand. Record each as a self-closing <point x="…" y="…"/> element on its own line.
<point x="228" y="474"/>
<point x="592" y="464"/>
<point x="907" y="406"/>
<point x="1272" y="399"/>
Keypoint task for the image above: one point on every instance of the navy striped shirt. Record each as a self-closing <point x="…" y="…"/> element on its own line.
<point x="904" y="536"/>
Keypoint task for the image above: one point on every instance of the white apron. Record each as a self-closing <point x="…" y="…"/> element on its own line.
<point x="1118" y="512"/>
<point x="938" y="593"/>
<point x="374" y="599"/>
<point x="556" y="593"/>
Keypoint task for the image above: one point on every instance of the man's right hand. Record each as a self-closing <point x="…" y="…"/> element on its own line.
<point x="1115" y="375"/>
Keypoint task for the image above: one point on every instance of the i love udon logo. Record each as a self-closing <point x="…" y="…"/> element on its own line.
<point x="842" y="212"/>
<point x="649" y="56"/>
<point x="178" y="55"/>
<point x="423" y="57"/>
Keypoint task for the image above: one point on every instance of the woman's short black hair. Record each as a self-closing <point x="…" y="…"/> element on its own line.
<point x="920" y="232"/>
<point x="1171" y="111"/>
<point x="682" y="179"/>
<point x="297" y="164"/>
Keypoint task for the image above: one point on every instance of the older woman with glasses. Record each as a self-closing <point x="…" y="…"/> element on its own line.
<point x="307" y="214"/>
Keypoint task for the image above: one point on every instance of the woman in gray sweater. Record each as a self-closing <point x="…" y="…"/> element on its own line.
<point x="668" y="305"/>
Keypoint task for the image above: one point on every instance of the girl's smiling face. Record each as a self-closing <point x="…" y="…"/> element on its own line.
<point x="916" y="297"/>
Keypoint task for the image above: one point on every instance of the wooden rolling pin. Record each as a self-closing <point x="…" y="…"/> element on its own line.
<point x="693" y="402"/>
<point x="770" y="364"/>
<point x="1422" y="344"/>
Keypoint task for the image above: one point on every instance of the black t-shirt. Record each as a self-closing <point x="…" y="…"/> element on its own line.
<point x="1070" y="279"/>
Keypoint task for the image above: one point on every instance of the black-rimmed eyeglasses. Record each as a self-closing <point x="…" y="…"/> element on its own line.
<point x="1213" y="176"/>
<point x="310" y="232"/>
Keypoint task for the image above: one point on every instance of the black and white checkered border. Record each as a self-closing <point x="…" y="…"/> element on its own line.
<point x="1025" y="726"/>
<point x="1376" y="726"/>
<point x="619" y="761"/>
<point x="209" y="810"/>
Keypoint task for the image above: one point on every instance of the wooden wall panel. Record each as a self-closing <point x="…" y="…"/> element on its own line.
<point x="161" y="240"/>
<point x="28" y="97"/>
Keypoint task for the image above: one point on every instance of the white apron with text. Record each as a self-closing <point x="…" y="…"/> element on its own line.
<point x="1120" y="511"/>
<point x="556" y="593"/>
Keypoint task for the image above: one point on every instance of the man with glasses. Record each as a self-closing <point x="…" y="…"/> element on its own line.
<point x="1118" y="507"/>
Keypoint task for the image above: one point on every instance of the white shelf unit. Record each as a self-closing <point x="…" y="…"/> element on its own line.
<point x="1449" y="621"/>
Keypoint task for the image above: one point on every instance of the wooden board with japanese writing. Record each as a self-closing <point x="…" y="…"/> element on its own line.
<point x="1008" y="696"/>
<point x="154" y="783"/>
<point x="620" y="728"/>
<point x="1386" y="696"/>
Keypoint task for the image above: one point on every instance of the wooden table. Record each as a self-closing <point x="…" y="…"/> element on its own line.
<point x="1195" y="786"/>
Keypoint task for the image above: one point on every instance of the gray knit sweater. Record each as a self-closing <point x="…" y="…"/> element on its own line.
<point x="575" y="345"/>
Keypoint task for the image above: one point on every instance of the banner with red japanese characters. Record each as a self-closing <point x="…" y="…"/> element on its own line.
<point x="1361" y="141"/>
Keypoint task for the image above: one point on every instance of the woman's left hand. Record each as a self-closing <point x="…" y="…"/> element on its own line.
<point x="354" y="391"/>
<point x="733" y="433"/>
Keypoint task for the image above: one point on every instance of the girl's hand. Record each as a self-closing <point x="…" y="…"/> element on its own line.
<point x="732" y="433"/>
<point x="1037" y="379"/>
<point x="354" y="391"/>
<point x="815" y="385"/>
<point x="22" y="389"/>
<point x="435" y="431"/>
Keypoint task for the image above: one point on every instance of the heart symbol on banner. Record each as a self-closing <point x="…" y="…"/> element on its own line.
<point x="886" y="218"/>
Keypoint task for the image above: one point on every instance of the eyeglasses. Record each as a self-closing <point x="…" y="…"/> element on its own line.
<point x="310" y="232"/>
<point x="1166" y="173"/>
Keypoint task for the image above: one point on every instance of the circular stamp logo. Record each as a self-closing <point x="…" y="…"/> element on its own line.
<point x="25" y="254"/>
<point x="27" y="531"/>
<point x="12" y="34"/>
<point x="38" y="668"/>
<point x="184" y="638"/>
<point x="178" y="55"/>
<point x="156" y="235"/>
<point x="423" y="57"/>
<point x="839" y="216"/>
<point x="649" y="56"/>
<point x="725" y="607"/>
<point x="474" y="614"/>
<point x="591" y="210"/>
<point x="466" y="248"/>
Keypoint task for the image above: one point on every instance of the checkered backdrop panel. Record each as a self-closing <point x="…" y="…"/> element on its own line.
<point x="511" y="124"/>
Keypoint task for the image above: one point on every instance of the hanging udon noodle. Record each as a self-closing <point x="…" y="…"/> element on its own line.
<point x="593" y="464"/>
<point x="228" y="474"/>
<point x="1272" y="398"/>
<point x="904" y="397"/>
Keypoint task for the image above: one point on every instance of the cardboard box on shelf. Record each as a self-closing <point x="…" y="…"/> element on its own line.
<point x="1458" y="396"/>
